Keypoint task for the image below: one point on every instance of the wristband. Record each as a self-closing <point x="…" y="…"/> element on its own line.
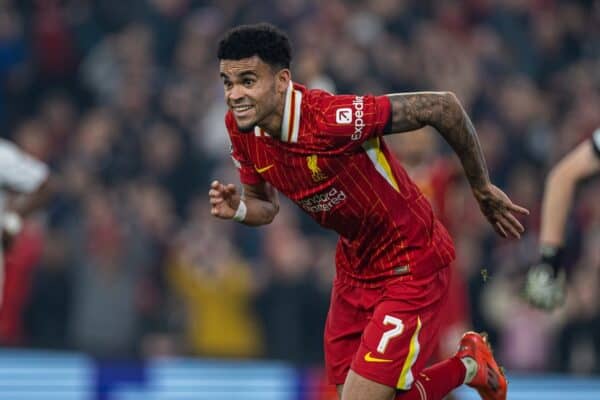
<point x="240" y="213"/>
<point x="552" y="255"/>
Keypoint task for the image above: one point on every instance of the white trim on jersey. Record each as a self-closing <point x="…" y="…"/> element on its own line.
<point x="287" y="109"/>
<point x="260" y="132"/>
<point x="296" y="122"/>
<point x="290" y="125"/>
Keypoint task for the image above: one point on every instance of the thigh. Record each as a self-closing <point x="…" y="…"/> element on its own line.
<point x="402" y="333"/>
<point x="360" y="388"/>
<point x="349" y="313"/>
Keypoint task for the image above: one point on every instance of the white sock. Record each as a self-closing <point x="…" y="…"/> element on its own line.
<point x="471" y="367"/>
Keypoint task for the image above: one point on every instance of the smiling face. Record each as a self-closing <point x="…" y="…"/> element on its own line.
<point x="255" y="92"/>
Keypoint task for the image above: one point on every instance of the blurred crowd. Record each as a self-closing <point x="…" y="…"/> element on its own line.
<point x="123" y="100"/>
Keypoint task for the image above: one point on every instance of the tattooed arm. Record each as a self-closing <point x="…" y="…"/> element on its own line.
<point x="443" y="111"/>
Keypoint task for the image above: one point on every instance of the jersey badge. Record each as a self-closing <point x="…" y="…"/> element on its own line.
<point x="315" y="171"/>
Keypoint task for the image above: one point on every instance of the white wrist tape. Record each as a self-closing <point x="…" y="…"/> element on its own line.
<point x="240" y="213"/>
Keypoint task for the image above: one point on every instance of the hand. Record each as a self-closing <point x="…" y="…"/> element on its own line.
<point x="498" y="209"/>
<point x="544" y="288"/>
<point x="224" y="200"/>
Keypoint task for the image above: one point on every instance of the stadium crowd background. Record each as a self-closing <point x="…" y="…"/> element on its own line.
<point x="123" y="100"/>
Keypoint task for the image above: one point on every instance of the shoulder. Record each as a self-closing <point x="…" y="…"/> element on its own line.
<point x="321" y="107"/>
<point x="344" y="114"/>
<point x="316" y="101"/>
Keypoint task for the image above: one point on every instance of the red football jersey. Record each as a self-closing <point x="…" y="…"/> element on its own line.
<point x="333" y="163"/>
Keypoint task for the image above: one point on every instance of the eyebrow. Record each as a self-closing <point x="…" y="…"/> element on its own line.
<point x="241" y="74"/>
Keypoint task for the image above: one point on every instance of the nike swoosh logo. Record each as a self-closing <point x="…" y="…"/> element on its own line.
<point x="264" y="169"/>
<point x="370" y="358"/>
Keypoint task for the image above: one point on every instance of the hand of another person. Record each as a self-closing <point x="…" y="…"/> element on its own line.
<point x="545" y="288"/>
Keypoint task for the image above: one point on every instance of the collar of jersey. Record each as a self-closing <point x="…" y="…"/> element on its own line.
<point x="290" y="125"/>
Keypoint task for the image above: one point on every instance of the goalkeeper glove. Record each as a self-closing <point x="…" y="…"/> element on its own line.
<point x="545" y="285"/>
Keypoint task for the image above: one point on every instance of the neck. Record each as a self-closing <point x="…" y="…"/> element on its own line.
<point x="273" y="123"/>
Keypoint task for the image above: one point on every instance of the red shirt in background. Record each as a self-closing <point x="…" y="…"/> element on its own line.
<point x="19" y="262"/>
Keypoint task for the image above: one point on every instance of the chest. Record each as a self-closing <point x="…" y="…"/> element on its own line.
<point x="296" y="172"/>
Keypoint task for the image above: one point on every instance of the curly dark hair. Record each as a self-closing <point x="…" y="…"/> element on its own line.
<point x="264" y="40"/>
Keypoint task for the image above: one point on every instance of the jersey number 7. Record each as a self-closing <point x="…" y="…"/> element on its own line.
<point x="397" y="329"/>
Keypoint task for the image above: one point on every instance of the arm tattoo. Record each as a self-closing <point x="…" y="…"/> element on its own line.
<point x="443" y="111"/>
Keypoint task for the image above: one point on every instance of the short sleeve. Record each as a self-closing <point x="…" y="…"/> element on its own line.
<point x="245" y="167"/>
<point x="346" y="121"/>
<point x="19" y="171"/>
<point x="596" y="142"/>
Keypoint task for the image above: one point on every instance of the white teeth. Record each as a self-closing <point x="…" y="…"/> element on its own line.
<point x="242" y="108"/>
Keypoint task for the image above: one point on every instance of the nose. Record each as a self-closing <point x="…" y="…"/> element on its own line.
<point x="236" y="93"/>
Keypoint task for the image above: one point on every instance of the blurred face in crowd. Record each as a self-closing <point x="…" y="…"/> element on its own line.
<point x="255" y="92"/>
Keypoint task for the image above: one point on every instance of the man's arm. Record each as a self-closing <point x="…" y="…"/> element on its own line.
<point x="21" y="205"/>
<point x="443" y="111"/>
<point x="580" y="163"/>
<point x="260" y="203"/>
<point x="545" y="286"/>
<point x="29" y="184"/>
<point x="25" y="204"/>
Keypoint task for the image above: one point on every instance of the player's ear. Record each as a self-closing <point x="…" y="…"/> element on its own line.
<point x="282" y="79"/>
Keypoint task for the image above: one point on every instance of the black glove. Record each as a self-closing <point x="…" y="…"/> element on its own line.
<point x="545" y="285"/>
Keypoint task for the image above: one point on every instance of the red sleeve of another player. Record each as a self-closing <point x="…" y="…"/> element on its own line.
<point x="248" y="174"/>
<point x="346" y="121"/>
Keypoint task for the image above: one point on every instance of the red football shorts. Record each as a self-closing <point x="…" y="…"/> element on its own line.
<point x="384" y="334"/>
